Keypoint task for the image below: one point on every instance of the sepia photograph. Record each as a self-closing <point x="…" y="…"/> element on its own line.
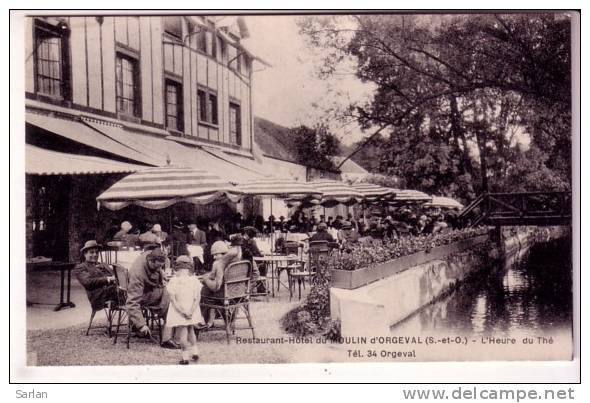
<point x="273" y="188"/>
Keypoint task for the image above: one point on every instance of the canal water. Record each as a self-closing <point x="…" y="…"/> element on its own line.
<point x="529" y="297"/>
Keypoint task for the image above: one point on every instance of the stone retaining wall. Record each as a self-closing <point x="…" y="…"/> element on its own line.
<point x="369" y="301"/>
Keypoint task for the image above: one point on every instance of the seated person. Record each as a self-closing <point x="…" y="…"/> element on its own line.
<point x="150" y="236"/>
<point x="440" y="225"/>
<point x="97" y="278"/>
<point x="322" y="234"/>
<point x="250" y="251"/>
<point x="147" y="288"/>
<point x="178" y="239"/>
<point x="348" y="235"/>
<point x="421" y="227"/>
<point x="212" y="283"/>
<point x="121" y="235"/>
<point x="389" y="230"/>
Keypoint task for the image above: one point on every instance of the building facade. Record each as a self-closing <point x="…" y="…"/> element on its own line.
<point x="108" y="95"/>
<point x="180" y="74"/>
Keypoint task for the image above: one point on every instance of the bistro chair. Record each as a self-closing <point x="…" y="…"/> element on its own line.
<point x="152" y="316"/>
<point x="319" y="251"/>
<point x="236" y="298"/>
<point x="260" y="281"/>
<point x="289" y="248"/>
<point x="297" y="271"/>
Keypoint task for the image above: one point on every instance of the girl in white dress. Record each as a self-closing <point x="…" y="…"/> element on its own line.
<point x="184" y="312"/>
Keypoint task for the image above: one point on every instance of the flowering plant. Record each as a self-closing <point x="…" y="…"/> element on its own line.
<point x="361" y="256"/>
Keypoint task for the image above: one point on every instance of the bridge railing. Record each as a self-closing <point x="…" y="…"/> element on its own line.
<point x="523" y="208"/>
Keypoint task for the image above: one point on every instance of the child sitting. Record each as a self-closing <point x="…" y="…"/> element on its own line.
<point x="184" y="312"/>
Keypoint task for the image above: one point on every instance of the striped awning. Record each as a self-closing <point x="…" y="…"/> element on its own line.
<point x="372" y="192"/>
<point x="443" y="202"/>
<point x="40" y="161"/>
<point x="408" y="195"/>
<point x="337" y="192"/>
<point x="281" y="188"/>
<point x="157" y="188"/>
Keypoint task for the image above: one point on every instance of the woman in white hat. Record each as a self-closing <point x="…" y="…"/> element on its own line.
<point x="222" y="257"/>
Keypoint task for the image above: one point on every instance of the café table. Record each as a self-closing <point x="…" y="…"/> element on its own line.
<point x="65" y="288"/>
<point x="273" y="260"/>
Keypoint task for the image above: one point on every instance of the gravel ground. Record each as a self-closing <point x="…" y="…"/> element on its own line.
<point x="57" y="338"/>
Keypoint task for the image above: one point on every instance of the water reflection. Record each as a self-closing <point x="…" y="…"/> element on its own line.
<point x="526" y="296"/>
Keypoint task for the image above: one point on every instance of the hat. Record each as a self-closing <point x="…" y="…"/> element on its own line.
<point x="183" y="259"/>
<point x="126" y="225"/>
<point x="250" y="231"/>
<point x="178" y="224"/>
<point x="236" y="240"/>
<point x="157" y="254"/>
<point x="92" y="244"/>
<point x="346" y="224"/>
<point x="322" y="225"/>
<point x="157" y="228"/>
<point x="183" y="262"/>
<point x="219" y="247"/>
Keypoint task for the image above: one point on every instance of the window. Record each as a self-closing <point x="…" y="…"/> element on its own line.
<point x="202" y="100"/>
<point x="174" y="115"/>
<point x="212" y="106"/>
<point x="207" y="106"/>
<point x="51" y="60"/>
<point x="127" y="84"/>
<point x="206" y="41"/>
<point x="173" y="26"/>
<point x="235" y="124"/>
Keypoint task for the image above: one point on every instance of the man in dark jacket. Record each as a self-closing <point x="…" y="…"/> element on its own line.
<point x="97" y="278"/>
<point x="196" y="235"/>
<point x="322" y="234"/>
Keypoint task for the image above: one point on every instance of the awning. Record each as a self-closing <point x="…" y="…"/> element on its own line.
<point x="280" y="188"/>
<point x="374" y="192"/>
<point x="157" y="188"/>
<point x="162" y="150"/>
<point x="81" y="133"/>
<point x="444" y="202"/>
<point x="255" y="169"/>
<point x="40" y="161"/>
<point x="408" y="195"/>
<point x="337" y="192"/>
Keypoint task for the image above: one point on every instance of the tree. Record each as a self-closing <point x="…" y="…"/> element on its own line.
<point x="455" y="92"/>
<point x="315" y="146"/>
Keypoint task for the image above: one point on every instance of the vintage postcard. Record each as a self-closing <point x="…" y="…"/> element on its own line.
<point x="272" y="188"/>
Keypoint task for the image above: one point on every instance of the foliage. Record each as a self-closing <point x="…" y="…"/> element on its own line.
<point x="314" y="315"/>
<point x="457" y="94"/>
<point x="361" y="257"/>
<point x="315" y="146"/>
<point x="382" y="180"/>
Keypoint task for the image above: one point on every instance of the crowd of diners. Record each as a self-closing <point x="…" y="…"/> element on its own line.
<point x="166" y="277"/>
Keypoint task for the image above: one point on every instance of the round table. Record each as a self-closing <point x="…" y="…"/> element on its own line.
<point x="273" y="260"/>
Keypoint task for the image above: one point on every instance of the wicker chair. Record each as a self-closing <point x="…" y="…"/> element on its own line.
<point x="235" y="298"/>
<point x="110" y="309"/>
